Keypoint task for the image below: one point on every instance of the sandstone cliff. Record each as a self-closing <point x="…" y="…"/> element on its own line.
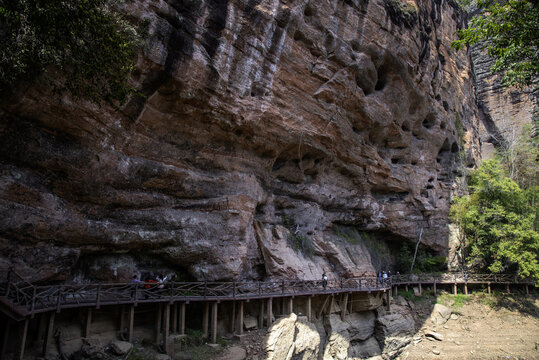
<point x="503" y="111"/>
<point x="266" y="126"/>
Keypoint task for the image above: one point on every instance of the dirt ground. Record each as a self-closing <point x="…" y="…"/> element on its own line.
<point x="482" y="327"/>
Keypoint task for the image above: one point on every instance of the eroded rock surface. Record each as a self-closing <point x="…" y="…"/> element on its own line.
<point x="503" y="111"/>
<point x="360" y="335"/>
<point x="266" y="126"/>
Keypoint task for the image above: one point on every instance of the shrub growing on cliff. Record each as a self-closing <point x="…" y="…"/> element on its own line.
<point x="298" y="241"/>
<point x="509" y="30"/>
<point x="426" y="260"/>
<point x="83" y="47"/>
<point x="498" y="221"/>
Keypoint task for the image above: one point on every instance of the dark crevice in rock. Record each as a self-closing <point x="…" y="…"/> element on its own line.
<point x="401" y="13"/>
<point x="495" y="136"/>
<point x="429" y="121"/>
<point x="218" y="10"/>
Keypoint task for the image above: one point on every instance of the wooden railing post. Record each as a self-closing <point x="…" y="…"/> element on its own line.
<point x="98" y="297"/>
<point x="234" y="290"/>
<point x="58" y="299"/>
<point x="33" y="301"/>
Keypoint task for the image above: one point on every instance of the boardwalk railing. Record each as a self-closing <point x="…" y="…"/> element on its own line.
<point x="449" y="278"/>
<point x="27" y="299"/>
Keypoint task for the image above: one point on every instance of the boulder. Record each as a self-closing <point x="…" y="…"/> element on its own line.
<point x="334" y="324"/>
<point x="234" y="353"/>
<point x="394" y="330"/>
<point x="365" y="349"/>
<point x="399" y="300"/>
<point x="161" y="357"/>
<point x="120" y="347"/>
<point x="440" y="314"/>
<point x="337" y="347"/>
<point x="394" y="323"/>
<point x="361" y="325"/>
<point x="280" y="339"/>
<point x="250" y="322"/>
<point x="292" y="337"/>
<point x="307" y="341"/>
<point x="92" y="352"/>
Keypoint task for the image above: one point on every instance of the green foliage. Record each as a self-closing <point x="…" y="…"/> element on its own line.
<point x="194" y="344"/>
<point x="456" y="301"/>
<point x="509" y="30"/>
<point x="521" y="159"/>
<point x="298" y="241"/>
<point x="498" y="221"/>
<point x="426" y="261"/>
<point x="409" y="295"/>
<point x="83" y="47"/>
<point x="466" y="4"/>
<point x="460" y="300"/>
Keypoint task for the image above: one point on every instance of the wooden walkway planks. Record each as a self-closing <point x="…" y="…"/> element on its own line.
<point x="24" y="299"/>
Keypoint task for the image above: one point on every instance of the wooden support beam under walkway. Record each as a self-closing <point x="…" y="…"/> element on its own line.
<point x="269" y="310"/>
<point x="214" y="307"/>
<point x="48" y="334"/>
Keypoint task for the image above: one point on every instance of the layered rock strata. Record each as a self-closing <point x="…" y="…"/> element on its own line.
<point x="266" y="126"/>
<point x="503" y="112"/>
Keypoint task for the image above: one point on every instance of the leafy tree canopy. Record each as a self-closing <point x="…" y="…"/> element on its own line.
<point x="84" y="47"/>
<point x="509" y="30"/>
<point x="498" y="221"/>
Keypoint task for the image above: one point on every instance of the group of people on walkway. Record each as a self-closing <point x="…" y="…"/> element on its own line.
<point x="159" y="281"/>
<point x="384" y="277"/>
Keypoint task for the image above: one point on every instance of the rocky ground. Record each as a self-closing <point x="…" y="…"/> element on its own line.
<point x="480" y="326"/>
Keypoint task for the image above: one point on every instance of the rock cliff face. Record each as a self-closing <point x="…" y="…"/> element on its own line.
<point x="503" y="111"/>
<point x="361" y="335"/>
<point x="269" y="129"/>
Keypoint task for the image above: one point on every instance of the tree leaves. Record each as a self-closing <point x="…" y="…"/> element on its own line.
<point x="83" y="47"/>
<point x="498" y="219"/>
<point x="509" y="31"/>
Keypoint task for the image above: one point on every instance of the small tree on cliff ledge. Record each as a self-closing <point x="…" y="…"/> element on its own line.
<point x="509" y="31"/>
<point x="84" y="47"/>
<point x="498" y="220"/>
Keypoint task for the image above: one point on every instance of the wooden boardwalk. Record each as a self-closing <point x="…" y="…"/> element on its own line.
<point x="456" y="279"/>
<point x="25" y="299"/>
<point x="21" y="300"/>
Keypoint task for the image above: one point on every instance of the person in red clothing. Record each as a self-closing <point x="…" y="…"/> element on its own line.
<point x="149" y="283"/>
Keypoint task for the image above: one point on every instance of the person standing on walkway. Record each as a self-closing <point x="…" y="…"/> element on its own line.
<point x="324" y="280"/>
<point x="134" y="285"/>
